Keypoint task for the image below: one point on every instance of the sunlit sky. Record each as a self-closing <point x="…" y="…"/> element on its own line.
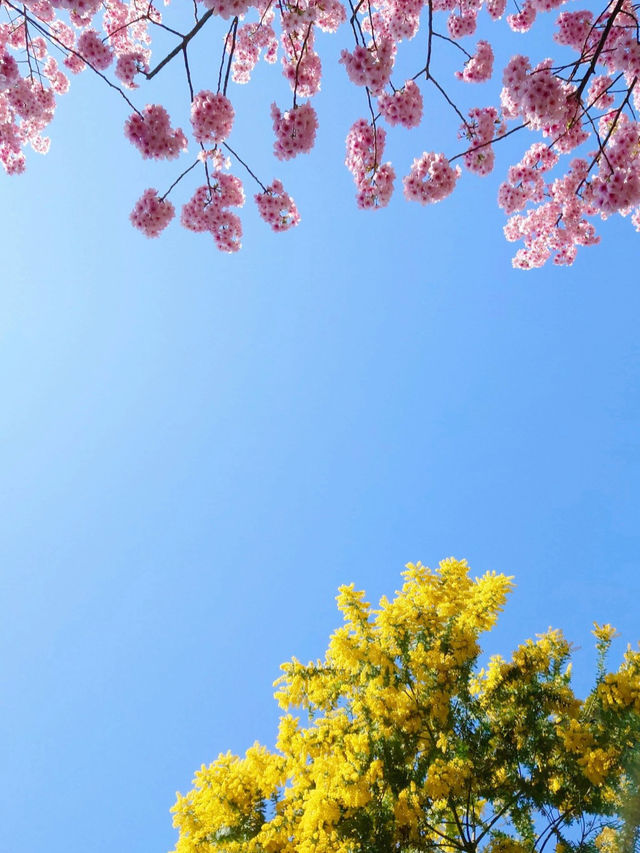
<point x="198" y="449"/>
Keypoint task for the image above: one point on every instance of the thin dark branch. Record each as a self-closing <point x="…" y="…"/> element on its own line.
<point x="453" y="42"/>
<point x="598" y="51"/>
<point x="240" y="160"/>
<point x="234" y="30"/>
<point x="68" y="50"/>
<point x="484" y="144"/>
<point x="179" y="178"/>
<point x="448" y="100"/>
<point x="181" y="46"/>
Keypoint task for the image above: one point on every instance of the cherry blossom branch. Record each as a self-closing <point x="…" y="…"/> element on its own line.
<point x="491" y="141"/>
<point x="240" y="160"/>
<point x="448" y="100"/>
<point x="302" y="50"/>
<point x="179" y="178"/>
<point x="613" y="125"/>
<point x="453" y="42"/>
<point x="355" y="22"/>
<point x="233" y="30"/>
<point x="224" y="53"/>
<point x="603" y="38"/>
<point x="188" y="72"/>
<point x="427" y="67"/>
<point x="69" y="50"/>
<point x="599" y="141"/>
<point x="185" y="41"/>
<point x="26" y="42"/>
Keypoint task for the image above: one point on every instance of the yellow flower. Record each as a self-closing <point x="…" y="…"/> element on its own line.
<point x="604" y="633"/>
<point x="606" y="840"/>
<point x="596" y="764"/>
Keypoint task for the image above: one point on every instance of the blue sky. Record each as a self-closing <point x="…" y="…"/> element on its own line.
<point x="197" y="449"/>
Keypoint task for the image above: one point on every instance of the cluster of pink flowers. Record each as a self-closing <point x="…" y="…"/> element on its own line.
<point x="304" y="74"/>
<point x="227" y="8"/>
<point x="537" y="95"/>
<point x="599" y="94"/>
<point x="81" y="10"/>
<point x="480" y="67"/>
<point x="525" y="182"/>
<point x="152" y="134"/>
<point x="404" y="106"/>
<point x="151" y="214"/>
<point x="295" y="130"/>
<point x="211" y="117"/>
<point x="592" y="97"/>
<point x="94" y="51"/>
<point x="496" y="8"/>
<point x="9" y="71"/>
<point x="431" y="179"/>
<point x="616" y="187"/>
<point x="396" y="19"/>
<point x="483" y="124"/>
<point x="301" y="65"/>
<point x="370" y="66"/>
<point x="574" y="29"/>
<point x="26" y="108"/>
<point x="373" y="180"/>
<point x="208" y="210"/>
<point x="463" y="19"/>
<point x="277" y="208"/>
<point x="251" y="40"/>
<point x="557" y="227"/>
<point x="129" y="65"/>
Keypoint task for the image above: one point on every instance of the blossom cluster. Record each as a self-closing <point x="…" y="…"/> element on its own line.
<point x="431" y="178"/>
<point x="151" y="214"/>
<point x="587" y="98"/>
<point x="295" y="130"/>
<point x="152" y="134"/>
<point x="373" y="180"/>
<point x="404" y="106"/>
<point x="481" y="128"/>
<point x="209" y="210"/>
<point x="211" y="117"/>
<point x="277" y="208"/>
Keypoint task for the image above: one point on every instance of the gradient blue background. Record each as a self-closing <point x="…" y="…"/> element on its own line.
<point x="197" y="449"/>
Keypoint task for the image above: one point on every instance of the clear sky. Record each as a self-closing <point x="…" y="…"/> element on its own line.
<point x="196" y="450"/>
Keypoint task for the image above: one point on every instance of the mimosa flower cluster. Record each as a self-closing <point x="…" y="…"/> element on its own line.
<point x="399" y="733"/>
<point x="581" y="105"/>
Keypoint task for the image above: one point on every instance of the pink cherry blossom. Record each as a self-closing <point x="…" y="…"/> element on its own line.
<point x="589" y="91"/>
<point x="227" y="8"/>
<point x="374" y="180"/>
<point x="431" y="179"/>
<point x="208" y="210"/>
<point x="153" y="135"/>
<point x="211" y="117"/>
<point x="480" y="67"/>
<point x="479" y="132"/>
<point x="277" y="208"/>
<point x="94" y="50"/>
<point x="151" y="215"/>
<point x="370" y="66"/>
<point x="295" y="130"/>
<point x="404" y="106"/>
